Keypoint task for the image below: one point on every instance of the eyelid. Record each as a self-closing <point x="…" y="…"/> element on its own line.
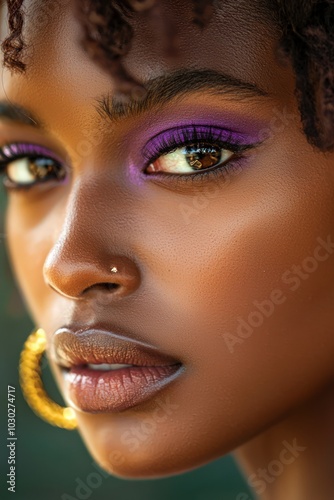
<point x="175" y="137"/>
<point x="25" y="149"/>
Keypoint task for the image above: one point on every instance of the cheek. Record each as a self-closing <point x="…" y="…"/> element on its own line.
<point x="250" y="279"/>
<point x="225" y="247"/>
<point x="30" y="238"/>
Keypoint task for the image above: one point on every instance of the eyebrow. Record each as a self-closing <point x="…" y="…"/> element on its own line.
<point x="164" y="88"/>
<point x="160" y="90"/>
<point x="18" y="114"/>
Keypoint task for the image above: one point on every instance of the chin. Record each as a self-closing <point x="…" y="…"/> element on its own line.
<point x="146" y="465"/>
<point x="168" y="450"/>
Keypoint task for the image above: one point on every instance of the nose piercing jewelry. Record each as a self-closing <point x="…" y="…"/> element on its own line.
<point x="113" y="269"/>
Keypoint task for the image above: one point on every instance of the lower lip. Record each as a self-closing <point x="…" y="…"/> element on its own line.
<point x="116" y="390"/>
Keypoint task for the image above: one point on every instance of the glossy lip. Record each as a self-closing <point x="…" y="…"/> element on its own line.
<point x="99" y="391"/>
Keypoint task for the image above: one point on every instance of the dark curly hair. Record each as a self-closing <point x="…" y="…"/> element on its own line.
<point x="307" y="40"/>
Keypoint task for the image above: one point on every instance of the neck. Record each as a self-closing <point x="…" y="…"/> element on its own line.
<point x="294" y="460"/>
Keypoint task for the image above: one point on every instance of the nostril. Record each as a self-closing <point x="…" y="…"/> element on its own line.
<point x="110" y="286"/>
<point x="103" y="286"/>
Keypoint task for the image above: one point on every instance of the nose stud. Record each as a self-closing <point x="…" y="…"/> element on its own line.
<point x="113" y="269"/>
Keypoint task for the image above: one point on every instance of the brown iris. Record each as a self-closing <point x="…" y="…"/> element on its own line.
<point x="43" y="167"/>
<point x="202" y="156"/>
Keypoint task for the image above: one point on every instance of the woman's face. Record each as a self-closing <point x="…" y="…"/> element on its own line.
<point x="229" y="273"/>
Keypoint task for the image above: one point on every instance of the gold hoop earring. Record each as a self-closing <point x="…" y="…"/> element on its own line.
<point x="32" y="384"/>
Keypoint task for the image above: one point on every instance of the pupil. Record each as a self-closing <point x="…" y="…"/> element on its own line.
<point x="203" y="156"/>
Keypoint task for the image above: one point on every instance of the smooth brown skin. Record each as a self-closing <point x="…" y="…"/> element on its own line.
<point x="188" y="283"/>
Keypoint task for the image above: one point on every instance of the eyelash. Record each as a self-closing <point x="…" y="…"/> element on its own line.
<point x="184" y="136"/>
<point x="18" y="150"/>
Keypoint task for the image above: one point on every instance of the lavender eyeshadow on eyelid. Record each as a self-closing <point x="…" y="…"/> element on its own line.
<point x="27" y="148"/>
<point x="222" y="134"/>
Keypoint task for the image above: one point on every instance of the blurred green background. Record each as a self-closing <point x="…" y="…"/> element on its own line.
<point x="51" y="462"/>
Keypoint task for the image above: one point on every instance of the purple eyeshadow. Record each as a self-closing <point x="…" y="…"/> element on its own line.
<point x="191" y="133"/>
<point x="20" y="148"/>
<point x="202" y="130"/>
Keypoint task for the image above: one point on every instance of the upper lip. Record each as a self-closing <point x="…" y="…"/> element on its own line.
<point x="72" y="347"/>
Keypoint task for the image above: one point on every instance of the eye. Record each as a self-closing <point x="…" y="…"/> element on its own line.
<point x="25" y="165"/>
<point x="30" y="170"/>
<point x="193" y="151"/>
<point x="190" y="159"/>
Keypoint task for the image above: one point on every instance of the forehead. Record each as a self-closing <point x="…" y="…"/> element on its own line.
<point x="62" y="80"/>
<point x="236" y="37"/>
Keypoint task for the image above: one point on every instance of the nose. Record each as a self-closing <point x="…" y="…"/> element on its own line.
<point x="87" y="256"/>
